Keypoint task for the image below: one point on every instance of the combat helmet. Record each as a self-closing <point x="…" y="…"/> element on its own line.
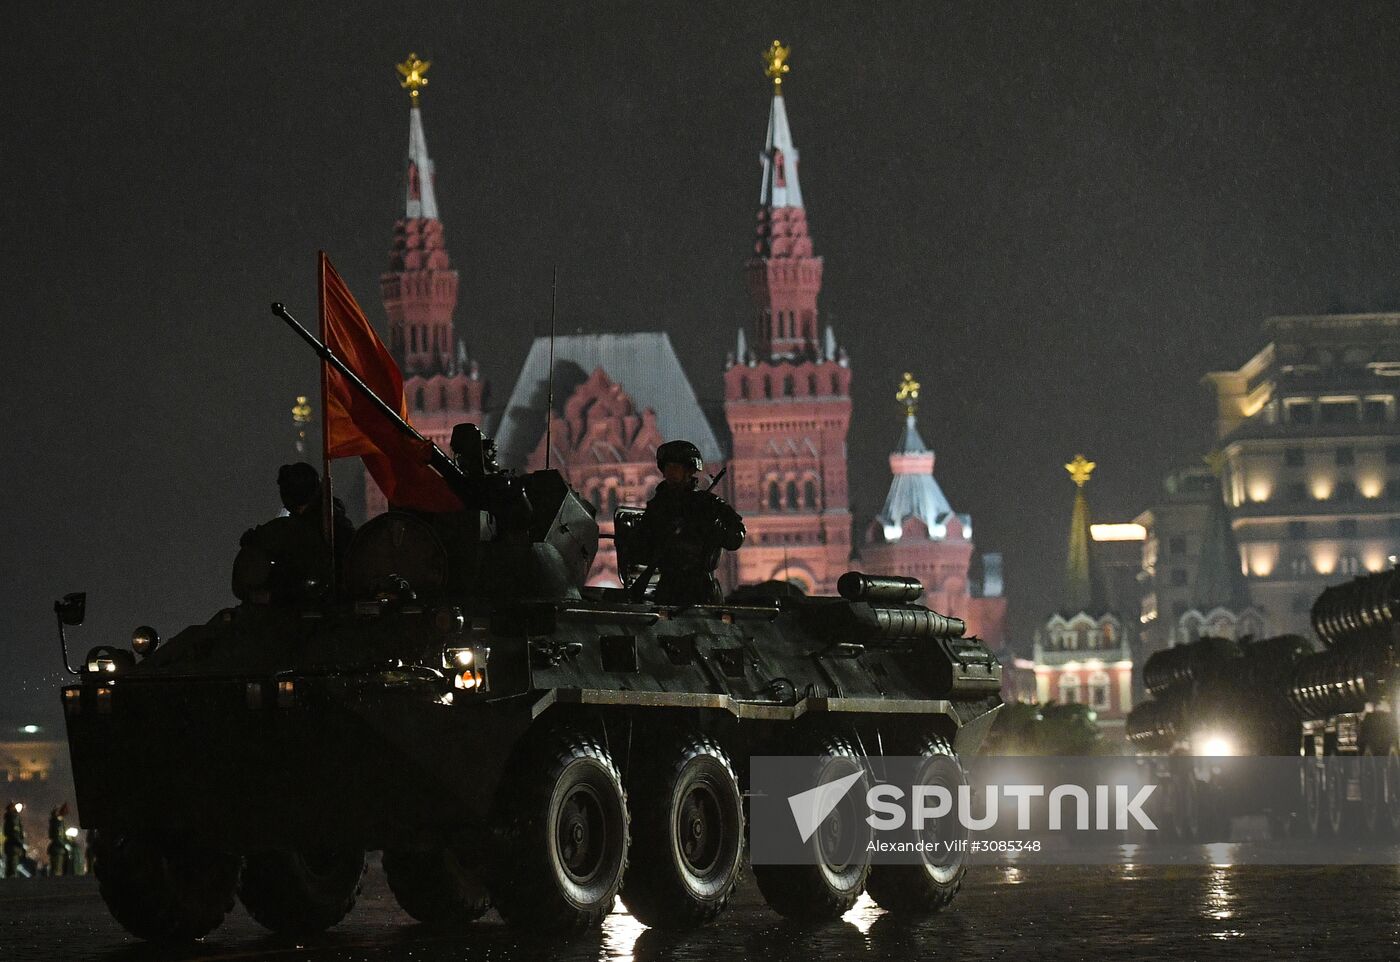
<point x="679" y="452"/>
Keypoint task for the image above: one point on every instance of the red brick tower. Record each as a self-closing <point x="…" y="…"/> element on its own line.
<point x="420" y="293"/>
<point x="787" y="398"/>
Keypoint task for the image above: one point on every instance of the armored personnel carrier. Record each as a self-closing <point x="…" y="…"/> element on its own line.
<point x="1214" y="699"/>
<point x="503" y="734"/>
<point x="1346" y="696"/>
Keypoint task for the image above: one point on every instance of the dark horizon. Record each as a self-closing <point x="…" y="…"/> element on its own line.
<point x="1058" y="218"/>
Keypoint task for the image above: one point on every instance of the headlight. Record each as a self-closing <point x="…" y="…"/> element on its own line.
<point x="71" y="832"/>
<point x="468" y="667"/>
<point x="144" y="640"/>
<point x="1217" y="746"/>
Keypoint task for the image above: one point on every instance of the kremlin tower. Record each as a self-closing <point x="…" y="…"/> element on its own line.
<point x="419" y="290"/>
<point x="787" y="389"/>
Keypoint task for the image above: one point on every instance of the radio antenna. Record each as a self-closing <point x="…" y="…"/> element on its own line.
<point x="549" y="394"/>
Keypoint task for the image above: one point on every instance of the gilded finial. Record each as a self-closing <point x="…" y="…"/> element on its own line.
<point x="776" y="59"/>
<point x="301" y="417"/>
<point x="908" y="394"/>
<point x="1216" y="462"/>
<point x="412" y="71"/>
<point x="1079" y="469"/>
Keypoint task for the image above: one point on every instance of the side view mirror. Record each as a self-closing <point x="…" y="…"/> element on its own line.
<point x="72" y="609"/>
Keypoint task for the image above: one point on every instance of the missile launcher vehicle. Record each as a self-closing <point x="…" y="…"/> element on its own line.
<point x="1213" y="699"/>
<point x="1347" y="697"/>
<point x="460" y="700"/>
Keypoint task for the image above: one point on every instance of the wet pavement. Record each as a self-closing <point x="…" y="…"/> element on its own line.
<point x="1148" y="912"/>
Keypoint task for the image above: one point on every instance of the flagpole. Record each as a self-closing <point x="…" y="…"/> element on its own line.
<point x="327" y="494"/>
<point x="549" y="398"/>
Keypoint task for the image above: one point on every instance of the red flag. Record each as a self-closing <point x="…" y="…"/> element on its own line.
<point x="353" y="424"/>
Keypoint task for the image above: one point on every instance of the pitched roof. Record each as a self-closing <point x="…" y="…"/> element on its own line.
<point x="780" y="187"/>
<point x="915" y="492"/>
<point x="420" y="197"/>
<point x="645" y="365"/>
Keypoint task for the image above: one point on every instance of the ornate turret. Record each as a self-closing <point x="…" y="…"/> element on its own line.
<point x="914" y="493"/>
<point x="420" y="295"/>
<point x="784" y="275"/>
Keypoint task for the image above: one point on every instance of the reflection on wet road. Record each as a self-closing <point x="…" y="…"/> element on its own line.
<point x="1181" y="912"/>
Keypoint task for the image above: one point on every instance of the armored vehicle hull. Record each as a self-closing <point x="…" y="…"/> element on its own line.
<point x="502" y="734"/>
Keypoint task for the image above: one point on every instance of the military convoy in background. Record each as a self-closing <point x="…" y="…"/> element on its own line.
<point x="503" y="733"/>
<point x="1215" y="698"/>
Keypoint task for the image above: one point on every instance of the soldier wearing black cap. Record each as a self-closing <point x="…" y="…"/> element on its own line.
<point x="684" y="529"/>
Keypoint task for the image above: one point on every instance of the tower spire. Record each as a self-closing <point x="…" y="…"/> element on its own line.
<point x="1219" y="579"/>
<point x="1082" y="589"/>
<point x="420" y="199"/>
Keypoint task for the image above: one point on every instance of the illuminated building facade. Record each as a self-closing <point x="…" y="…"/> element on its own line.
<point x="1311" y="450"/>
<point x="1082" y="653"/>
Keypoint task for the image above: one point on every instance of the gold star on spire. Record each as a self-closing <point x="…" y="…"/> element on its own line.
<point x="908" y="394"/>
<point x="1079" y="469"/>
<point x="776" y="59"/>
<point x="412" y="71"/>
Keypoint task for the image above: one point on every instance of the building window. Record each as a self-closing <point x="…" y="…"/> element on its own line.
<point x="787" y="386"/>
<point x="744" y="388"/>
<point x="1340" y="412"/>
<point x="1178" y="577"/>
<point x="1347" y="527"/>
<point x="611" y="503"/>
<point x="1373" y="411"/>
<point x="418" y="400"/>
<point x="1344" y="491"/>
<point x="809" y="494"/>
<point x="792" y="504"/>
<point x="1297" y="530"/>
<point x="812" y="384"/>
<point x="413" y="337"/>
<point x="1346" y="457"/>
<point x="1297" y="491"/>
<point x="1177" y="545"/>
<point x="1392" y="489"/>
<point x="1395" y="526"/>
<point x="1099" y="691"/>
<point x="835" y="384"/>
<point x="1293" y="457"/>
<point x="775" y="497"/>
<point x="1299" y="412"/>
<point x="1069" y="689"/>
<point x="1392" y="454"/>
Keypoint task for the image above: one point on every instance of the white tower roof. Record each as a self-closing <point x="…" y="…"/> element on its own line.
<point x="419" y="199"/>
<point x="780" y="187"/>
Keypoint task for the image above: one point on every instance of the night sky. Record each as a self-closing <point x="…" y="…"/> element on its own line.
<point x="1059" y="216"/>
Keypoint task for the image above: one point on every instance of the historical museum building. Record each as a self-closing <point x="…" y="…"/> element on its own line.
<point x="779" y="428"/>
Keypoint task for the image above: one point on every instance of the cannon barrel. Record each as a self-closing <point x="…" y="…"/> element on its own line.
<point x="1364" y="608"/>
<point x="855" y="586"/>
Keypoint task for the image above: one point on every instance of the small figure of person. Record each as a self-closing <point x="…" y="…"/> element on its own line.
<point x="684" y="529"/>
<point x="60" y="862"/>
<point x="14" y="838"/>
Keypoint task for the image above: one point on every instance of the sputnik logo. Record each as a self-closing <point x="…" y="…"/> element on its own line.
<point x="810" y="808"/>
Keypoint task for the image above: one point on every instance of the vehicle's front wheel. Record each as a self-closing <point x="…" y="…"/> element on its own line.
<point x="838" y="848"/>
<point x="436" y="887"/>
<point x="301" y="892"/>
<point x="688" y="836"/>
<point x="563" y="835"/>
<point x="931" y="885"/>
<point x="164" y="892"/>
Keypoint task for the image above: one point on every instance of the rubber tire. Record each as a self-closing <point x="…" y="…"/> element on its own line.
<point x="290" y="895"/>
<point x="1343" y="817"/>
<point x="1314" y="792"/>
<point x="921" y="889"/>
<point x="661" y="889"/>
<point x="161" y="893"/>
<point x="818" y="892"/>
<point x="436" y="887"/>
<point x="530" y="884"/>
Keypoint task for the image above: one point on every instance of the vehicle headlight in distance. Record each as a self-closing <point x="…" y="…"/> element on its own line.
<point x="468" y="667"/>
<point x="144" y="640"/>
<point x="1217" y="746"/>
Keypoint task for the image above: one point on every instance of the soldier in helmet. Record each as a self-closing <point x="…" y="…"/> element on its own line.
<point x="684" y="530"/>
<point x="295" y="543"/>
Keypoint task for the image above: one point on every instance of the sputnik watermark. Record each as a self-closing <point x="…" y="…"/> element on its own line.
<point x="931" y="802"/>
